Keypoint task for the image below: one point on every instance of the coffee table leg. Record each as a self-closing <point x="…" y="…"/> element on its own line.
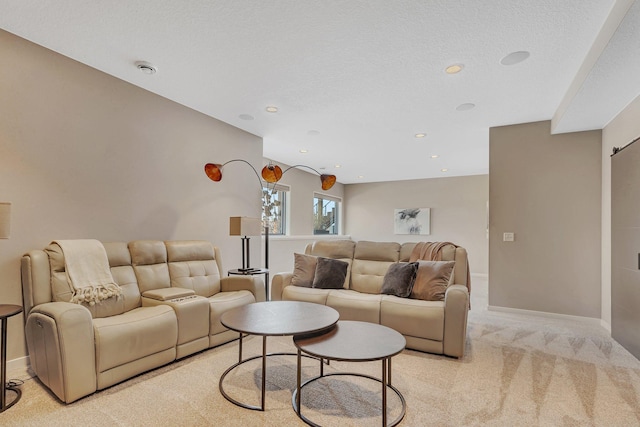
<point x="264" y="369"/>
<point x="240" y="349"/>
<point x="384" y="392"/>
<point x="299" y="380"/>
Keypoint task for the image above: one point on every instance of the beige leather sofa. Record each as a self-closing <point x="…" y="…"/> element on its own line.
<point x="431" y="326"/>
<point x="172" y="298"/>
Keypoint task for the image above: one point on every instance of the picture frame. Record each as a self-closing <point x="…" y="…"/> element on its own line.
<point x="415" y="221"/>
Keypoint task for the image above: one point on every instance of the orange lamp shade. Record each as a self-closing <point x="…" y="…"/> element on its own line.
<point x="213" y="171"/>
<point x="327" y="181"/>
<point x="271" y="173"/>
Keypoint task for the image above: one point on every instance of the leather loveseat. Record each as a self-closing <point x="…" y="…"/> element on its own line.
<point x="431" y="326"/>
<point x="170" y="306"/>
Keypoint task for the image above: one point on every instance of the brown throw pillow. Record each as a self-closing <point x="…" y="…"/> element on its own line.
<point x="399" y="279"/>
<point x="432" y="280"/>
<point x="304" y="269"/>
<point x="330" y="273"/>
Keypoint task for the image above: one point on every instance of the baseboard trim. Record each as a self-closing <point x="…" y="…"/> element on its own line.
<point x="19" y="368"/>
<point x="587" y="320"/>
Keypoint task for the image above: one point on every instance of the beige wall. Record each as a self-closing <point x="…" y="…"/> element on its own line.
<point x="85" y="155"/>
<point x="546" y="189"/>
<point x="623" y="129"/>
<point x="458" y="212"/>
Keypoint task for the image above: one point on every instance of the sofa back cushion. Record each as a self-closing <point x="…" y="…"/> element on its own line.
<point x="371" y="260"/>
<point x="149" y="260"/>
<point x="123" y="274"/>
<point x="61" y="289"/>
<point x="193" y="265"/>
<point x="448" y="253"/>
<point x="336" y="249"/>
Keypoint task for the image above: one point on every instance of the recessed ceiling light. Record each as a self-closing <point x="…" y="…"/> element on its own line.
<point x="338" y="166"/>
<point x="146" y="67"/>
<point x="271" y="109"/>
<point x="465" y="107"/>
<point x="435" y="156"/>
<point x="246" y="116"/>
<point x="444" y="170"/>
<point x="515" y="57"/>
<point x="304" y="151"/>
<point x="360" y="176"/>
<point x="454" y="69"/>
<point x="420" y="135"/>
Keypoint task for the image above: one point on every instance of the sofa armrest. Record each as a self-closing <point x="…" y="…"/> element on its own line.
<point x="456" y="308"/>
<point x="61" y="347"/>
<point x="279" y="282"/>
<point x="253" y="284"/>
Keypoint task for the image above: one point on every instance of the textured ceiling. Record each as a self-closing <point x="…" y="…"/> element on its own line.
<point x="354" y="81"/>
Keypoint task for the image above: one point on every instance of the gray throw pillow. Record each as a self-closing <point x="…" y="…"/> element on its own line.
<point x="330" y="273"/>
<point x="304" y="269"/>
<point x="432" y="280"/>
<point x="399" y="279"/>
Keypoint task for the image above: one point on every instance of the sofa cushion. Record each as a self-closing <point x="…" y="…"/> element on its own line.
<point x="352" y="305"/>
<point x="399" y="279"/>
<point x="298" y="293"/>
<point x="377" y="251"/>
<point x="432" y="280"/>
<point x="221" y="303"/>
<point x="149" y="259"/>
<point x="134" y="335"/>
<point x="304" y="269"/>
<point x="336" y="249"/>
<point x="330" y="273"/>
<point x="192" y="265"/>
<point x="367" y="276"/>
<point x="413" y="318"/>
<point x="121" y="272"/>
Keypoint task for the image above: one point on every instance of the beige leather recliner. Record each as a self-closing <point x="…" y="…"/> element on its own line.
<point x="173" y="297"/>
<point x="432" y="326"/>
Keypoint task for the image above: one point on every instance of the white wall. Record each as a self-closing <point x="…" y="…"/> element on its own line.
<point x="85" y="155"/>
<point x="458" y="212"/>
<point x="619" y="132"/>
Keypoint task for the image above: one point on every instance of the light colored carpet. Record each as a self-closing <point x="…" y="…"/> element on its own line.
<point x="518" y="371"/>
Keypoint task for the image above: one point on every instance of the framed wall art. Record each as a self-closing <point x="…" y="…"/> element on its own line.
<point x="412" y="221"/>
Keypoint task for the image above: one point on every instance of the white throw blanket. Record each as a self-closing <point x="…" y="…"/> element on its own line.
<point x="87" y="268"/>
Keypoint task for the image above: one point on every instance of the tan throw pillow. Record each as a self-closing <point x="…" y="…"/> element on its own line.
<point x="304" y="268"/>
<point x="399" y="279"/>
<point x="330" y="273"/>
<point x="432" y="280"/>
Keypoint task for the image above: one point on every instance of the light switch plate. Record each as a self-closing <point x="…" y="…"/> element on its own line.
<point x="508" y="237"/>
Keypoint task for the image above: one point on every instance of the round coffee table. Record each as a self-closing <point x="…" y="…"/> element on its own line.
<point x="353" y="342"/>
<point x="273" y="318"/>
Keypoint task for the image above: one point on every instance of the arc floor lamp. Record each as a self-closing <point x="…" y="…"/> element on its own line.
<point x="271" y="174"/>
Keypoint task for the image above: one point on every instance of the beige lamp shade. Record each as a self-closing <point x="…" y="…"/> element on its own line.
<point x="5" y="220"/>
<point x="244" y="226"/>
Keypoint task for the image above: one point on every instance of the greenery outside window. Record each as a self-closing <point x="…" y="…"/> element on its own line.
<point x="326" y="214"/>
<point x="274" y="204"/>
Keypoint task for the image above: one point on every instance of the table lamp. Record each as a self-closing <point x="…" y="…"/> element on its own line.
<point x="245" y="226"/>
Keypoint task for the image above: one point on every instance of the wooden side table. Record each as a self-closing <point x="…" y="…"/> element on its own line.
<point x="265" y="271"/>
<point x="6" y="311"/>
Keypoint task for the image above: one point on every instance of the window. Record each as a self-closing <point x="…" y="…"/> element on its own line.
<point x="274" y="204"/>
<point x="326" y="214"/>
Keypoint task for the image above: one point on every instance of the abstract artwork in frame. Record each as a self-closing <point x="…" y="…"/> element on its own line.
<point x="412" y="221"/>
